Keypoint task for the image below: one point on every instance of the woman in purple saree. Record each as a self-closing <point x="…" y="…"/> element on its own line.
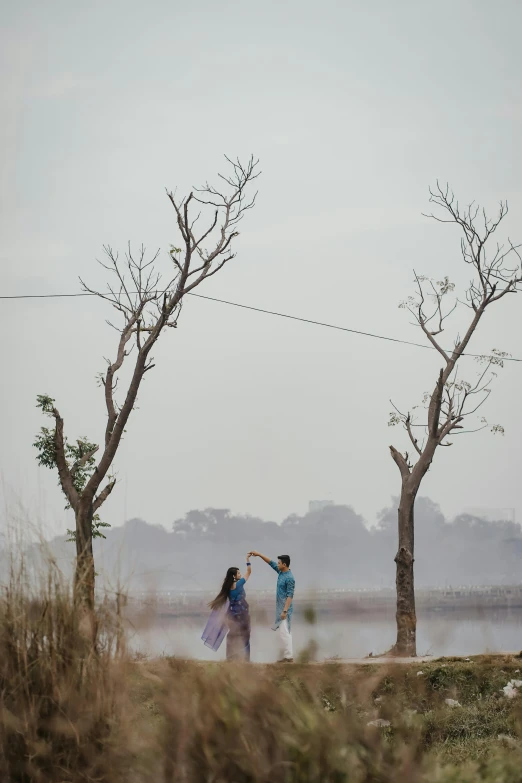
<point x="230" y="617"/>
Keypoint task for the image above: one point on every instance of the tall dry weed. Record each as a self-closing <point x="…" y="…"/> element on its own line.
<point x="63" y="703"/>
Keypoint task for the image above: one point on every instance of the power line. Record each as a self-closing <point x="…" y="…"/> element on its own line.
<point x="266" y="312"/>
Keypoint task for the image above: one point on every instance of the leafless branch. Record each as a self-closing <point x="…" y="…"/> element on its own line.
<point x="412" y="438"/>
<point x="494" y="277"/>
<point x="147" y="305"/>
<point x="84" y="459"/>
<point x="469" y="432"/>
<point x="422" y="320"/>
<point x="401" y="461"/>
<point x="104" y="494"/>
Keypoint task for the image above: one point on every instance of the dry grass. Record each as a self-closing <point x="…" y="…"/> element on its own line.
<point x="310" y="723"/>
<point x="71" y="713"/>
<point x="62" y="703"/>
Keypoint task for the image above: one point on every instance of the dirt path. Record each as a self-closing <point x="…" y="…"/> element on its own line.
<point x="389" y="660"/>
<point x="380" y="659"/>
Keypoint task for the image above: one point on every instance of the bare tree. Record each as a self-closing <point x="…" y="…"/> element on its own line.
<point x="146" y="306"/>
<point x="453" y="400"/>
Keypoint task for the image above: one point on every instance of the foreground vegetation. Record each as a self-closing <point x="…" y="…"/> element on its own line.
<point x="71" y="714"/>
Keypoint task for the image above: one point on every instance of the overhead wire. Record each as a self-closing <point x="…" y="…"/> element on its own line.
<point x="311" y="321"/>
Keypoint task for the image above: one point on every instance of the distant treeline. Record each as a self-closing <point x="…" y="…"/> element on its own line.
<point x="329" y="548"/>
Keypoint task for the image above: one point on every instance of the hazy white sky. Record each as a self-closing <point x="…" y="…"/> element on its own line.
<point x="354" y="109"/>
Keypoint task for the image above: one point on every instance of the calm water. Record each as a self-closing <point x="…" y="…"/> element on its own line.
<point x="437" y="634"/>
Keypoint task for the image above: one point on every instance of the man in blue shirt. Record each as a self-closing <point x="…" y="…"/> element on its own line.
<point x="284" y="601"/>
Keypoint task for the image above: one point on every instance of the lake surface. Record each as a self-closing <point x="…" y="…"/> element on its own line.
<point x="438" y="634"/>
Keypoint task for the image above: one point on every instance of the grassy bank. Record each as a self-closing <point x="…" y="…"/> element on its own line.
<point x="316" y="723"/>
<point x="68" y="713"/>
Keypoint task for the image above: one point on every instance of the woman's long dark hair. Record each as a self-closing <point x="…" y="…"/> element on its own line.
<point x="228" y="582"/>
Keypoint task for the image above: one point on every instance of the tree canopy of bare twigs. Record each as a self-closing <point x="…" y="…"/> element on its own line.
<point x="146" y="302"/>
<point x="495" y="272"/>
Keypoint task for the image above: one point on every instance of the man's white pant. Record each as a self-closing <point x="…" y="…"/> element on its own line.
<point x="286" y="639"/>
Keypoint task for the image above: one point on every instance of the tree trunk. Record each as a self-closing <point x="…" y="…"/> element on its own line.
<point x="84" y="574"/>
<point x="406" y="643"/>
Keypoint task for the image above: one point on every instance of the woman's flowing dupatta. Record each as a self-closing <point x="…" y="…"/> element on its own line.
<point x="216" y="628"/>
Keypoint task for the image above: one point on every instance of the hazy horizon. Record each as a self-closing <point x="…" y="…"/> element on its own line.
<point x="330" y="548"/>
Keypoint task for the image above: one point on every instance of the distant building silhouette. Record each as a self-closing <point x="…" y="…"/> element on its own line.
<point x="492" y="514"/>
<point x="318" y="505"/>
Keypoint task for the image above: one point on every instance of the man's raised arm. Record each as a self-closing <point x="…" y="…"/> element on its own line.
<point x="271" y="563"/>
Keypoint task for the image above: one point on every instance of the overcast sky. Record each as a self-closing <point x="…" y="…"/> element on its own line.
<point x="354" y="109"/>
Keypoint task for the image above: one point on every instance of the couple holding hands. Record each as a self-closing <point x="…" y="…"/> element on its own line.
<point x="230" y="615"/>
